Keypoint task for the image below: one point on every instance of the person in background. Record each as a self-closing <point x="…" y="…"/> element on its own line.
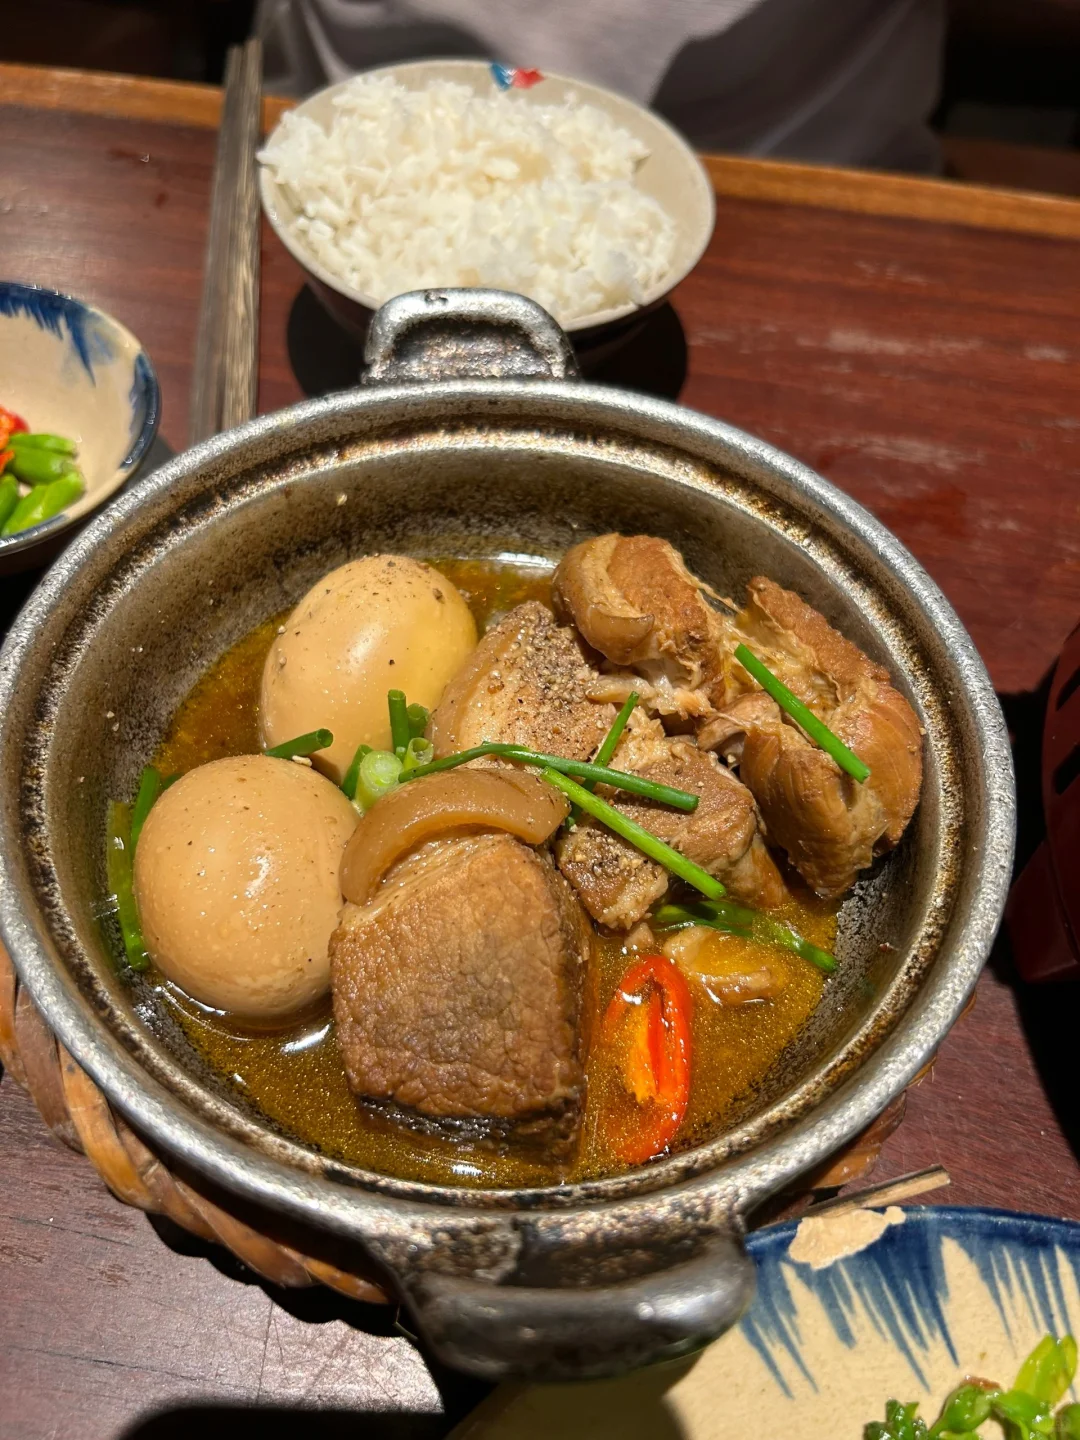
<point x="850" y="82"/>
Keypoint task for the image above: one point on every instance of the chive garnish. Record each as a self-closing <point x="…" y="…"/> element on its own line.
<point x="353" y="772"/>
<point x="118" y="857"/>
<point x="418" y="752"/>
<point x="735" y="919"/>
<point x="803" y="716"/>
<point x="585" y="769"/>
<point x="609" y="745"/>
<point x="614" y="735"/>
<point x="400" y="734"/>
<point x="380" y="771"/>
<point x="150" y="787"/>
<point x="418" y="721"/>
<point x="639" y="837"/>
<point x="302" y="745"/>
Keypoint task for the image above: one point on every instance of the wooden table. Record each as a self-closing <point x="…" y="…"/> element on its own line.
<point x="918" y="343"/>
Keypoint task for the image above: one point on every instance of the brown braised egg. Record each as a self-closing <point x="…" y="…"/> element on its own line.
<point x="386" y="622"/>
<point x="236" y="878"/>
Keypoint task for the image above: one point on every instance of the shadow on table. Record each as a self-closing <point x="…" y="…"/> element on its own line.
<point x="634" y="1407"/>
<point x="1048" y="1012"/>
<point x="229" y="1422"/>
<point x="318" y="1305"/>
<point x="651" y="357"/>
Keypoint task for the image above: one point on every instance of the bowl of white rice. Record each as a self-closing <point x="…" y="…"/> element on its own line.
<point x="428" y="175"/>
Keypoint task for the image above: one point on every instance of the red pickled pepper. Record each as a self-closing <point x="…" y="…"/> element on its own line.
<point x="649" y="1017"/>
<point x="10" y="424"/>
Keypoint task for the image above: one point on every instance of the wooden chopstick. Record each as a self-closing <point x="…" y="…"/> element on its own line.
<point x="889" y="1192"/>
<point x="226" y="349"/>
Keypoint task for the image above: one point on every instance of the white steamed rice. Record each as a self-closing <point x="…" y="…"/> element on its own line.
<point x="437" y="187"/>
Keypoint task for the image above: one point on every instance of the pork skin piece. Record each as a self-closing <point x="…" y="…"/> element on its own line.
<point x="524" y="684"/>
<point x="619" y="884"/>
<point x="829" y="824"/>
<point x="458" y="993"/>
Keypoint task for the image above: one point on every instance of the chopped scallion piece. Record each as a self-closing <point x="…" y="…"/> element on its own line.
<point x="418" y="752"/>
<point x="803" y="716"/>
<point x="608" y="745"/>
<point x="418" y="721"/>
<point x="599" y="774"/>
<point x="118" y="857"/>
<point x="741" y="920"/>
<point x="302" y="745"/>
<point x="400" y="735"/>
<point x="614" y="735"/>
<point x="379" y="772"/>
<point x="150" y="787"/>
<point x="639" y="837"/>
<point x="353" y="772"/>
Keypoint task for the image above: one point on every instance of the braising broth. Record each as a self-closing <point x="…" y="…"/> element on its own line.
<point x="295" y="1075"/>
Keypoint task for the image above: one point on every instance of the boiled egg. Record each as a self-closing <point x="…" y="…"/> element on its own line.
<point x="236" y="880"/>
<point x="386" y="622"/>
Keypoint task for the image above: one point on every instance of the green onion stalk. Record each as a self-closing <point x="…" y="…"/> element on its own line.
<point x="608" y="745"/>
<point x="307" y="744"/>
<point x="803" y="716"/>
<point x="118" y="865"/>
<point x="649" y="844"/>
<point x="400" y="732"/>
<point x="683" y="800"/>
<point x="733" y="919"/>
<point x="379" y="773"/>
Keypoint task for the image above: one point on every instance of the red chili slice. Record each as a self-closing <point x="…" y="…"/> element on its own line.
<point x="12" y="423"/>
<point x="649" y="1020"/>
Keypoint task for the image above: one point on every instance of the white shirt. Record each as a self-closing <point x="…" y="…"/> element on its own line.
<point x="847" y="81"/>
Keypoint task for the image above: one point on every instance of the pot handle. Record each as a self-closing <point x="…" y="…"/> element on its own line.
<point x="508" y="1331"/>
<point x="429" y="335"/>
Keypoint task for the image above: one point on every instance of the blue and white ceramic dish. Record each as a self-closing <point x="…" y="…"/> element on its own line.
<point x="949" y="1292"/>
<point x="69" y="368"/>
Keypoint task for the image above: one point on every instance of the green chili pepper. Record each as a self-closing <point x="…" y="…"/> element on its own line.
<point x="118" y="870"/>
<point x="43" y="502"/>
<point x="38" y="467"/>
<point x="302" y="745"/>
<point x="379" y="773"/>
<point x="9" y="498"/>
<point x="1025" y="1412"/>
<point x="901" y="1423"/>
<point x="965" y="1410"/>
<point x="1030" y="1415"/>
<point x="353" y="772"/>
<point x="58" y="444"/>
<point x="1048" y="1371"/>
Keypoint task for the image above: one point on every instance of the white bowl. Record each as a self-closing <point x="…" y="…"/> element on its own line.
<point x="672" y="174"/>
<point x="70" y="369"/>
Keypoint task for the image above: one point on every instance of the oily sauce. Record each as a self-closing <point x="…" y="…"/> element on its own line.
<point x="295" y="1076"/>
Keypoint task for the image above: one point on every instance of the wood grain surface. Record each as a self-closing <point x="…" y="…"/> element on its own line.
<point x="1006" y="205"/>
<point x="929" y="369"/>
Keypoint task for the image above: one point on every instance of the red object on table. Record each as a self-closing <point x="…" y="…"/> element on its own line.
<point x="1044" y="909"/>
